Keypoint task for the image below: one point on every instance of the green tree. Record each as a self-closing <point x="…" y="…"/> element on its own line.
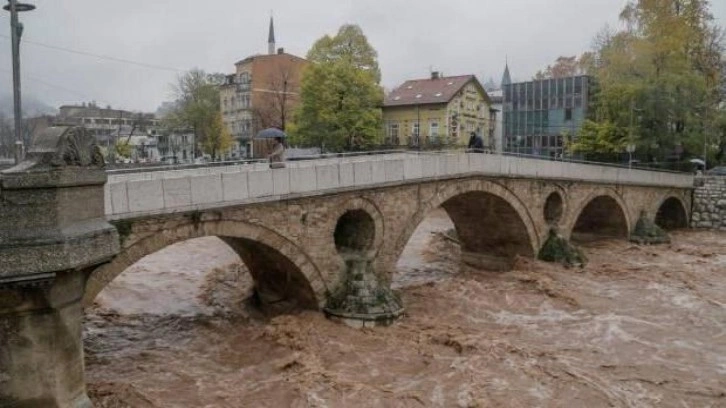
<point x="196" y="104"/>
<point x="123" y="149"/>
<point x="659" y="78"/>
<point x="218" y="139"/>
<point x="340" y="96"/>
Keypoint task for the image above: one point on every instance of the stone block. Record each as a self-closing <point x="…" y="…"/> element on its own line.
<point x="362" y="173"/>
<point x="476" y="162"/>
<point x="448" y="165"/>
<point x="145" y="195"/>
<point x="491" y="164"/>
<point x="429" y="166"/>
<point x="346" y="174"/>
<point x="327" y="176"/>
<point x="177" y="192"/>
<point x="463" y="162"/>
<point x="260" y="184"/>
<point x="206" y="189"/>
<point x="412" y="168"/>
<point x="107" y="207"/>
<point x="303" y="179"/>
<point x="394" y="170"/>
<point x="119" y="198"/>
<point x="281" y="181"/>
<point x="378" y="172"/>
<point x="234" y="186"/>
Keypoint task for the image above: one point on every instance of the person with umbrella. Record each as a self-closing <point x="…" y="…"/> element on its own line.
<point x="277" y="156"/>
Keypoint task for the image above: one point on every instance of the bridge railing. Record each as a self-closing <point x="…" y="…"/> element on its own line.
<point x="201" y="188"/>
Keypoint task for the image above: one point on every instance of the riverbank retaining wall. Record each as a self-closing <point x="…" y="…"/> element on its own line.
<point x="709" y="203"/>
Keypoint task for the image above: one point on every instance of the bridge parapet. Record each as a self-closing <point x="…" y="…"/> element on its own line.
<point x="140" y="194"/>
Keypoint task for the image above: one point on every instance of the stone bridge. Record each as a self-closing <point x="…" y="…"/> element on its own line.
<point x="322" y="234"/>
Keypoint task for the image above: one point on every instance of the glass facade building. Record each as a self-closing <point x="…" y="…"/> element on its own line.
<point x="540" y="116"/>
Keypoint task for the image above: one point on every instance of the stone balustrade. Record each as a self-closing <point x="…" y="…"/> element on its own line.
<point x="145" y="193"/>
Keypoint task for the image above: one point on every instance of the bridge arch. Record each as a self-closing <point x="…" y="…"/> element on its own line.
<point x="670" y="213"/>
<point x="357" y="210"/>
<point x="490" y="220"/>
<point x="602" y="213"/>
<point x="273" y="261"/>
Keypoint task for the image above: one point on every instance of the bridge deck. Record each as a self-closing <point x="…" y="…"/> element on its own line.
<point x="131" y="195"/>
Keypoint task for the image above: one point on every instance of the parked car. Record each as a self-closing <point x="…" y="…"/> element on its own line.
<point x="717" y="171"/>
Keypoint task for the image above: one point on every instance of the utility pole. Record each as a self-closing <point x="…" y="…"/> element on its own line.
<point x="16" y="31"/>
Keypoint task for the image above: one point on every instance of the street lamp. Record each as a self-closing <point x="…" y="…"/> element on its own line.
<point x="16" y="31"/>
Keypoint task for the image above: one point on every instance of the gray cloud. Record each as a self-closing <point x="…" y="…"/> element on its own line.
<point x="453" y="36"/>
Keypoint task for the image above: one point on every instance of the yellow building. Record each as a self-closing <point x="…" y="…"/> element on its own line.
<point x="438" y="111"/>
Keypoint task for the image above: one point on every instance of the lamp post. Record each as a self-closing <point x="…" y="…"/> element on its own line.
<point x="16" y="31"/>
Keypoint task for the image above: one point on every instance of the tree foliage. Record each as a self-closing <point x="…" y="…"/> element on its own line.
<point x="340" y="95"/>
<point x="661" y="78"/>
<point x="217" y="138"/>
<point x="565" y="67"/>
<point x="351" y="45"/>
<point x="123" y="149"/>
<point x="196" y="105"/>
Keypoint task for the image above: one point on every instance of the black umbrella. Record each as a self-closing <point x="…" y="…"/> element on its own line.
<point x="271" y="133"/>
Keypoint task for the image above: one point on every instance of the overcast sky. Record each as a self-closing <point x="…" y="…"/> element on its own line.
<point x="452" y="36"/>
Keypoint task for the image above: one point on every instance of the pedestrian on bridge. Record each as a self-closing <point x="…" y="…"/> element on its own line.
<point x="277" y="157"/>
<point x="476" y="143"/>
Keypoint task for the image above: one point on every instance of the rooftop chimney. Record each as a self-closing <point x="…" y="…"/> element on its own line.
<point x="434" y="74"/>
<point x="280" y="50"/>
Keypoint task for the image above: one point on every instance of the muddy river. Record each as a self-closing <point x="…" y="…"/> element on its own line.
<point x="637" y="327"/>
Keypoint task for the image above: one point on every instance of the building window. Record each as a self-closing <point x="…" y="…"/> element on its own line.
<point x="393" y="133"/>
<point x="568" y="114"/>
<point x="415" y="129"/>
<point x="434" y="131"/>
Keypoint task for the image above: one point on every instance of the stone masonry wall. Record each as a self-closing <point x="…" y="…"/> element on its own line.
<point x="709" y="203"/>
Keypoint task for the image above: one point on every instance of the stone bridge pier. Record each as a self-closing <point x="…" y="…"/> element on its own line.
<point x="52" y="234"/>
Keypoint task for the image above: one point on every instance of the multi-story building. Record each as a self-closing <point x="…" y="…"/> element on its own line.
<point x="438" y="110"/>
<point x="175" y="147"/>
<point x="262" y="93"/>
<point x="541" y="116"/>
<point x="104" y="122"/>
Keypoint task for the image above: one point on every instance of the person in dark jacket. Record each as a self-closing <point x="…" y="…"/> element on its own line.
<point x="476" y="143"/>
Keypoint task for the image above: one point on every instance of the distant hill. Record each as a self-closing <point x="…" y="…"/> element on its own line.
<point x="32" y="106"/>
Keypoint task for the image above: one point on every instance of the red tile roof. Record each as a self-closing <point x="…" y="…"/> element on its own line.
<point x="427" y="91"/>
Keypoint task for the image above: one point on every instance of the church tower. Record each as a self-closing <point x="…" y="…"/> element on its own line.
<point x="271" y="38"/>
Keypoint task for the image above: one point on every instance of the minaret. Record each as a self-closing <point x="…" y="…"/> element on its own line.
<point x="506" y="78"/>
<point x="271" y="39"/>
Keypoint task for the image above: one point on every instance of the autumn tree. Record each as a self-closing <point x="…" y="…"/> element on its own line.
<point x="196" y="105"/>
<point x="340" y="94"/>
<point x="659" y="79"/>
<point x="564" y="67"/>
<point x="274" y="105"/>
<point x="217" y="138"/>
<point x="123" y="149"/>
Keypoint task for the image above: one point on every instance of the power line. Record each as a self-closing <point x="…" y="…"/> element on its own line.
<point x="99" y="56"/>
<point x="52" y="85"/>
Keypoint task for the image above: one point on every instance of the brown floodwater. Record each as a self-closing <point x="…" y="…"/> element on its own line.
<point x="639" y="326"/>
